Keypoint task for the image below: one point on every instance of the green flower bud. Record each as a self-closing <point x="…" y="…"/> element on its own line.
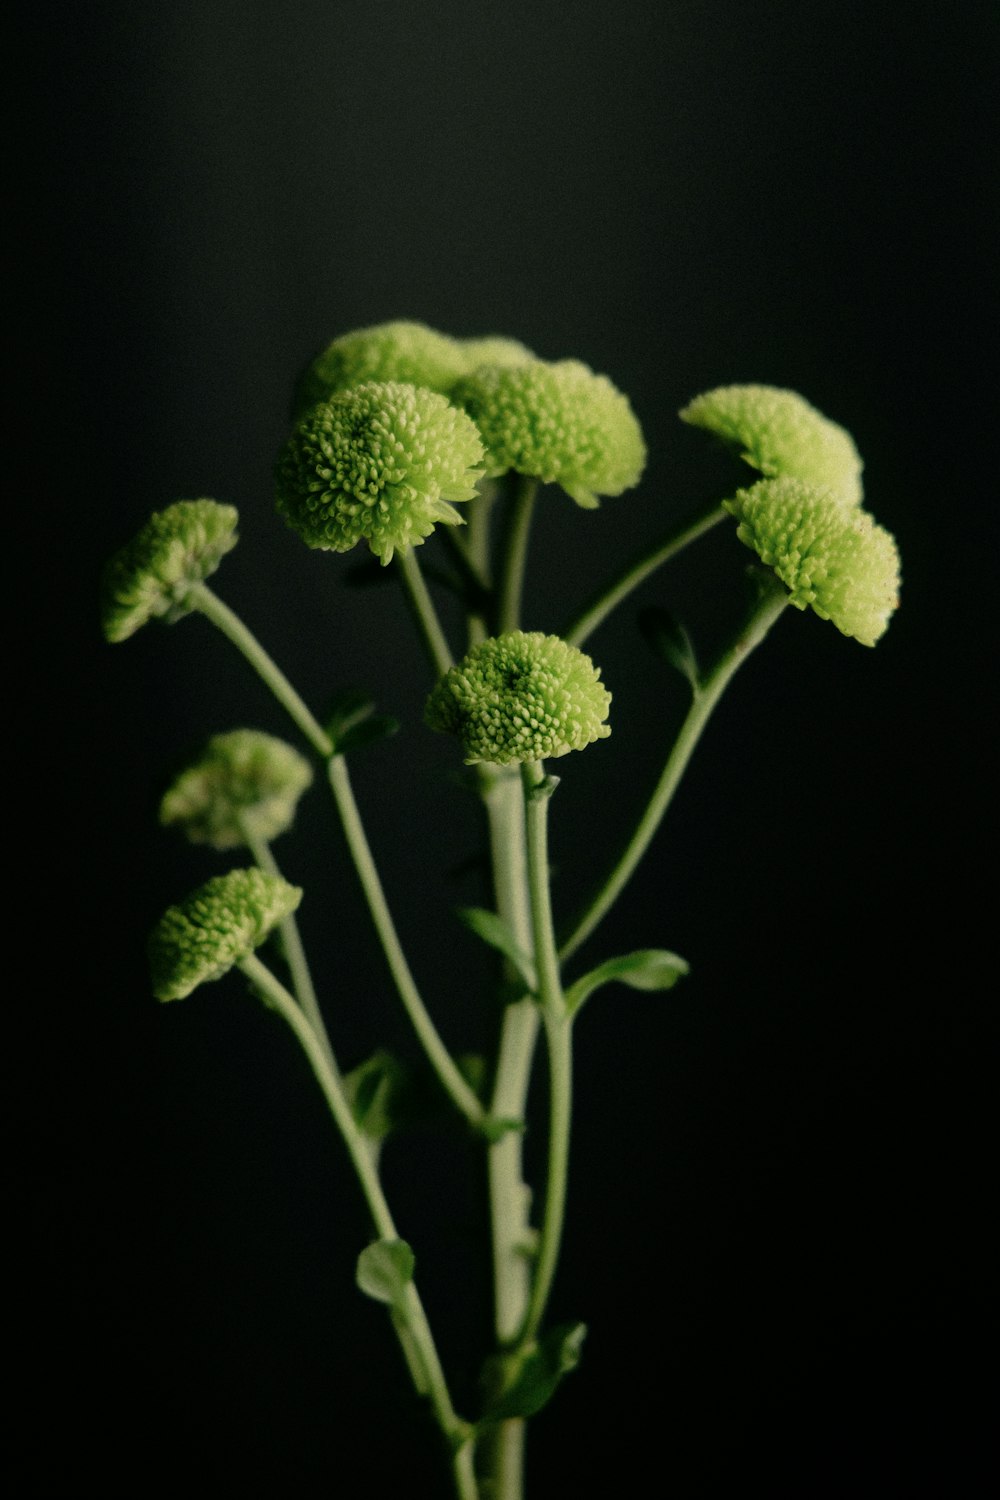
<point x="560" y="423"/>
<point x="521" y="697"/>
<point x="378" y="462"/>
<point x="494" y="350"/>
<point x="244" y="783"/>
<point x="832" y="558"/>
<point x="780" y="434"/>
<point x="409" y="352"/>
<point x="219" y="924"/>
<point x="154" y="573"/>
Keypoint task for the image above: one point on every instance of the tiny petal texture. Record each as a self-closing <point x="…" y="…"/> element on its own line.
<point x="835" y="559"/>
<point x="521" y="697"/>
<point x="409" y="352"/>
<point x="219" y="924"/>
<point x="560" y="423"/>
<point x="379" y="463"/>
<point x="245" y="782"/>
<point x="153" y="574"/>
<point x="781" y="434"/>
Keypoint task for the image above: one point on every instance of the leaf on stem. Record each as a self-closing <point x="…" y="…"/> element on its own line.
<point x="494" y="932"/>
<point x="668" y="639"/>
<point x="646" y="969"/>
<point x="353" y="723"/>
<point x="376" y="1093"/>
<point x="385" y="1270"/>
<point x="555" y="1354"/>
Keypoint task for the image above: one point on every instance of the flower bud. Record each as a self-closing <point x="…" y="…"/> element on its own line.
<point x="560" y="423"/>
<point x="409" y="352"/>
<point x="219" y="924"/>
<point x="780" y="434"/>
<point x="521" y="697"/>
<point x="245" y="782"/>
<point x="832" y="558"/>
<point x="153" y="574"/>
<point x="378" y="462"/>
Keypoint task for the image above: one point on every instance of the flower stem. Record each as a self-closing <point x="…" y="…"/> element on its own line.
<point x="211" y="606"/>
<point x="441" y="1060"/>
<point x="516" y="554"/>
<point x="587" y="621"/>
<point x="769" y="606"/>
<point x="410" y="1309"/>
<point x="423" y="611"/>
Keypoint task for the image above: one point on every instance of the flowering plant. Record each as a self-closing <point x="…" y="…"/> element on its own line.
<point x="401" y="432"/>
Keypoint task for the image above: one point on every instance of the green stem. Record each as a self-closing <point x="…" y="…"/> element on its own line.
<point x="558" y="1031"/>
<point x="441" y="1060"/>
<point x="772" y="601"/>
<point x="295" y="953"/>
<point x="516" y="554"/>
<point x="587" y="621"/>
<point x="423" y="611"/>
<point x="211" y="606"/>
<point x="410" y="1309"/>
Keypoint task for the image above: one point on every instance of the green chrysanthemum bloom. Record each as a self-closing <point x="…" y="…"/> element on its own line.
<point x="379" y="462"/>
<point x="560" y="423"/>
<point x="408" y="352"/>
<point x="219" y="924"/>
<point x="832" y="558"/>
<point x="153" y="574"/>
<point x="244" y="783"/>
<point x="780" y="434"/>
<point x="494" y="350"/>
<point x="521" y="697"/>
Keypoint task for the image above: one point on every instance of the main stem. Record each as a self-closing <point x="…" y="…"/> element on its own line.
<point x="706" y="696"/>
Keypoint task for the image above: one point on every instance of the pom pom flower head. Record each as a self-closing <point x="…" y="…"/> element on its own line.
<point x="245" y="783"/>
<point x="217" y="926"/>
<point x="560" y="423"/>
<point x="832" y="558"/>
<point x="520" y="697"/>
<point x="379" y="462"/>
<point x="153" y="574"/>
<point x="409" y="352"/>
<point x="493" y="349"/>
<point x="780" y="434"/>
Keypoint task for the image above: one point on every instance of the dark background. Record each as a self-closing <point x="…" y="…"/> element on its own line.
<point x="782" y="1171"/>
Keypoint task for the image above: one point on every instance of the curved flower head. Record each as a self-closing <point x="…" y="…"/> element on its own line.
<point x="560" y="423"/>
<point x="219" y="924"/>
<point x="380" y="463"/>
<point x="245" y="782"/>
<point x="409" y="352"/>
<point x="780" y="434"/>
<point x="522" y="696"/>
<point x="154" y="573"/>
<point x="831" y="557"/>
<point x="494" y="349"/>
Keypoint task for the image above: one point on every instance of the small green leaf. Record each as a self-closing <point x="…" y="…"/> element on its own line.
<point x="556" y="1353"/>
<point x="353" y="723"/>
<point x="646" y="969"/>
<point x="493" y="930"/>
<point x="376" y="1092"/>
<point x="385" y="1270"/>
<point x="495" y="1127"/>
<point x="670" y="641"/>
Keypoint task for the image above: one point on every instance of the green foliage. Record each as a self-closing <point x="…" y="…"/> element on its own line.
<point x="541" y="1371"/>
<point x="152" y="576"/>
<point x="671" y="642"/>
<point x="495" y="933"/>
<point x="646" y="969"/>
<point x="220" y="923"/>
<point x="385" y="1270"/>
<point x="244" y="782"/>
<point x="353" y="723"/>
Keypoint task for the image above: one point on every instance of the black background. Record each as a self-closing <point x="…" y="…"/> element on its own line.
<point x="783" y="1170"/>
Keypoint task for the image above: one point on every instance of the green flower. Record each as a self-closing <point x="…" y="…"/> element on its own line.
<point x="219" y="924"/>
<point x="408" y="352"/>
<point x="379" y="462"/>
<point x="154" y="573"/>
<point x="560" y="423"/>
<point x="780" y="434"/>
<point x="521" y="697"/>
<point x="245" y="782"/>
<point x="832" y="558"/>
<point x="494" y="350"/>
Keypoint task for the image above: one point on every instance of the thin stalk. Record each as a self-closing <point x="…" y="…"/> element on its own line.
<point x="423" y="611"/>
<point x="441" y="1060"/>
<point x="706" y="696"/>
<point x="558" y="1033"/>
<point x="410" y="1309"/>
<point x="594" y="613"/>
<point x="233" y="628"/>
<point x="516" y="553"/>
<point x="295" y="953"/>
